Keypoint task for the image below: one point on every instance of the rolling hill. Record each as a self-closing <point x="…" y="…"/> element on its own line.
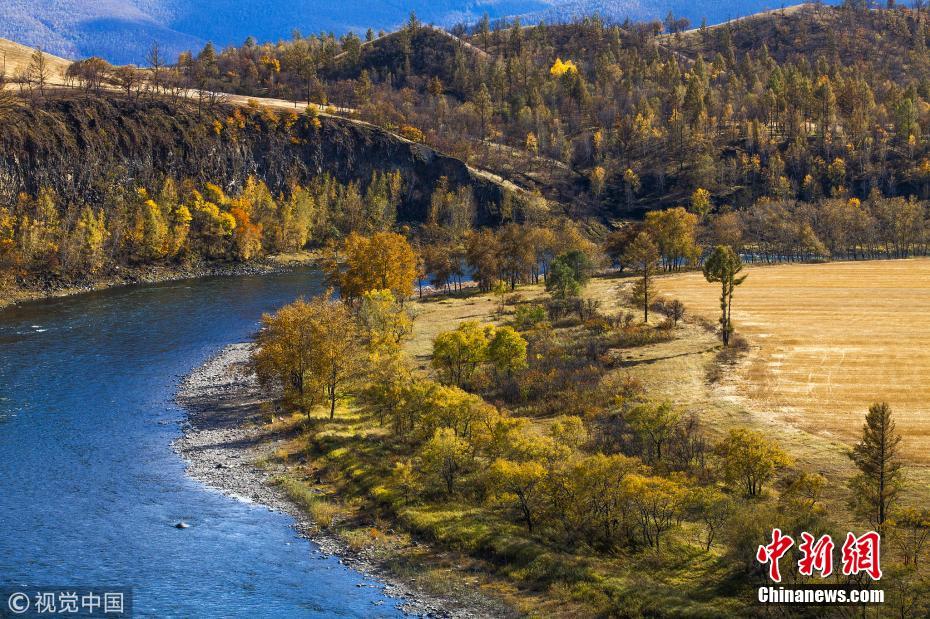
<point x="122" y="31"/>
<point x="15" y="57"/>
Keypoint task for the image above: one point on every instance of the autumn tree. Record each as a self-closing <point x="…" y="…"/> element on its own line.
<point x="723" y="266"/>
<point x="747" y="460"/>
<point x="674" y="232"/>
<point x="912" y="531"/>
<point x="445" y="458"/>
<point x="383" y="261"/>
<point x="38" y="72"/>
<point x="506" y="350"/>
<point x="657" y="502"/>
<point x="285" y="354"/>
<point x="311" y="348"/>
<point x="521" y="483"/>
<point x="654" y="423"/>
<point x="712" y="508"/>
<point x="384" y="322"/>
<point x="642" y="256"/>
<point x="877" y="486"/>
<point x="458" y="353"/>
<point x="88" y="241"/>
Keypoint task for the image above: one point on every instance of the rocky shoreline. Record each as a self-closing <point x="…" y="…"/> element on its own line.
<point x="223" y="438"/>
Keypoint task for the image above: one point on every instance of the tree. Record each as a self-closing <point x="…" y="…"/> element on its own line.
<point x="386" y="323"/>
<point x="658" y="503"/>
<point x="912" y="530"/>
<point x="748" y="460"/>
<point x="674" y="232"/>
<point x="310" y="348"/>
<point x="878" y="484"/>
<point x="712" y="508"/>
<point x="561" y="282"/>
<point x="88" y="239"/>
<point x="654" y="423"/>
<point x="445" y="457"/>
<point x="458" y="353"/>
<point x="642" y="256"/>
<point x="284" y="355"/>
<point x="507" y="350"/>
<point x="383" y="261"/>
<point x="38" y="72"/>
<point x="568" y="274"/>
<point x="521" y="483"/>
<point x="700" y="203"/>
<point x="157" y="63"/>
<point x="724" y="266"/>
<point x="336" y="354"/>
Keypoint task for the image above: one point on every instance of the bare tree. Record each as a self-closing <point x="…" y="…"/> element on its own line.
<point x="126" y="77"/>
<point x="38" y="72"/>
<point x="156" y="63"/>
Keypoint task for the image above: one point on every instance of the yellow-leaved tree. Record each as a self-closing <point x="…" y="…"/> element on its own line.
<point x="382" y="261"/>
<point x="310" y="349"/>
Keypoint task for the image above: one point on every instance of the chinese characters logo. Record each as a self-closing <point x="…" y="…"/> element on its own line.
<point x="858" y="555"/>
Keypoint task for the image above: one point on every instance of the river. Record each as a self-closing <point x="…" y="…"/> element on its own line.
<point x="89" y="485"/>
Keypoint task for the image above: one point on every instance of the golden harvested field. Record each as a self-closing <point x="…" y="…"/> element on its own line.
<point x="829" y="339"/>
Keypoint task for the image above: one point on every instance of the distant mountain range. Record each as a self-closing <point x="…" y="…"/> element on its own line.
<point x="122" y="30"/>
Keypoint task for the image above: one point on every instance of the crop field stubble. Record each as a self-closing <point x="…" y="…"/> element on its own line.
<point x="829" y="339"/>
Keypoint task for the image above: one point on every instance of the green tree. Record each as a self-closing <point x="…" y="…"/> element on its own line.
<point x="568" y="274"/>
<point x="642" y="256"/>
<point x="561" y="282"/>
<point x="724" y="266"/>
<point x="877" y="486"/>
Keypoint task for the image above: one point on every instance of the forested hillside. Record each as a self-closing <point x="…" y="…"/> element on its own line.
<point x="91" y="182"/>
<point x="123" y="31"/>
<point x="797" y="107"/>
<point x="797" y="134"/>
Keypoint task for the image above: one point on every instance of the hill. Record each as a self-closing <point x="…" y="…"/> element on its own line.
<point x="122" y="31"/>
<point x="16" y="58"/>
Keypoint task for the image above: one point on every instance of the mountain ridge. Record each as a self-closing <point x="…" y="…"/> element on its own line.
<point x="122" y="32"/>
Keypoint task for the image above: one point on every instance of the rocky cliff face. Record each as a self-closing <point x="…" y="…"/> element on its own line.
<point x="80" y="145"/>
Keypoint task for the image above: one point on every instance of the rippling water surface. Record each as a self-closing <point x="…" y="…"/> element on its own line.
<point x="89" y="486"/>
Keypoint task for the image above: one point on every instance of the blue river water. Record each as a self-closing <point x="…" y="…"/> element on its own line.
<point x="89" y="485"/>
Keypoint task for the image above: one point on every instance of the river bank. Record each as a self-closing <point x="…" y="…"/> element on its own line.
<point x="13" y="294"/>
<point x="226" y="436"/>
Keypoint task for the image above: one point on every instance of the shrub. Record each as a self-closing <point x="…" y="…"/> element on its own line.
<point x="528" y="316"/>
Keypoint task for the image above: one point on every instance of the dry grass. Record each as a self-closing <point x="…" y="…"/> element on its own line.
<point x="16" y="59"/>
<point x="828" y="340"/>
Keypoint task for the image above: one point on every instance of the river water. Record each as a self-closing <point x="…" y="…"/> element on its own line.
<point x="89" y="485"/>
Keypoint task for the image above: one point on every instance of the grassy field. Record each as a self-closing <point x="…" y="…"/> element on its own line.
<point x="826" y="341"/>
